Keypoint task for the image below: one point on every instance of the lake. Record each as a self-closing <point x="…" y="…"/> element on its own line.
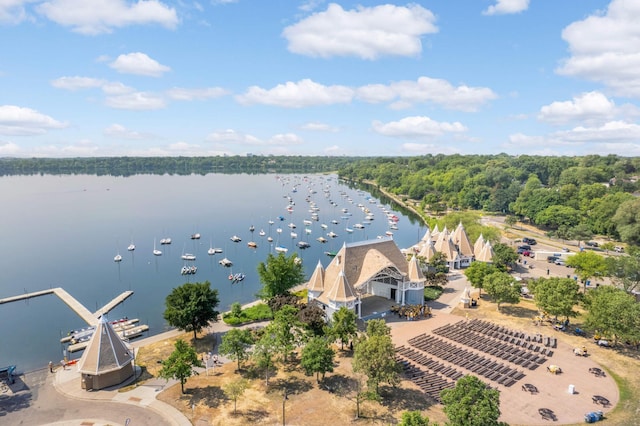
<point x="64" y="231"/>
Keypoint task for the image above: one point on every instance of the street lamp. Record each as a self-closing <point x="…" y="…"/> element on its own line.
<point x="284" y="400"/>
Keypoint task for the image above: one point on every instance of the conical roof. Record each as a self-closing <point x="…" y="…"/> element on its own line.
<point x="461" y="239"/>
<point x="428" y="250"/>
<point x="478" y="246"/>
<point x="316" y="283"/>
<point x="105" y="352"/>
<point x="427" y="235"/>
<point x="415" y="272"/>
<point x="486" y="255"/>
<point x="341" y="291"/>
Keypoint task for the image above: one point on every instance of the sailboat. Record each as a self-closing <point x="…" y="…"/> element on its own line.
<point x="156" y="252"/>
<point x="131" y="246"/>
<point x="117" y="257"/>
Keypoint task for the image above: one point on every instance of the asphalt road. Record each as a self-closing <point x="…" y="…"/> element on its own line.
<point x="38" y="403"/>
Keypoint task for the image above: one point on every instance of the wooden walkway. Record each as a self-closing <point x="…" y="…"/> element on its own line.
<point x="79" y="308"/>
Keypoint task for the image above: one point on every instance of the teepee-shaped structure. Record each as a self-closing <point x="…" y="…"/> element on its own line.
<point x="106" y="361"/>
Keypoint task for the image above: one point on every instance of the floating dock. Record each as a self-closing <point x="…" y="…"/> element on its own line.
<point x="130" y="333"/>
<point x="78" y="308"/>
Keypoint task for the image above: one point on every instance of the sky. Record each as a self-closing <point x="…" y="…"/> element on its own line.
<point x="86" y="78"/>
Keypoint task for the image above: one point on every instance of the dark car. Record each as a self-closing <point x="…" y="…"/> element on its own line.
<point x="592" y="244"/>
<point x="530" y="241"/>
<point x="526" y="247"/>
<point x="552" y="259"/>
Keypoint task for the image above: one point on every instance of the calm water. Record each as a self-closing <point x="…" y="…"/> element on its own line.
<point x="63" y="231"/>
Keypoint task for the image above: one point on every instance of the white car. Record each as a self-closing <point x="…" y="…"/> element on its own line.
<point x="560" y="262"/>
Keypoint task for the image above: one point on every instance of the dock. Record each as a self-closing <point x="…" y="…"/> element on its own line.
<point x="125" y="335"/>
<point x="78" y="308"/>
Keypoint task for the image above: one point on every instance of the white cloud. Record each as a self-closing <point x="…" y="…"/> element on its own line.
<point x="136" y="101"/>
<point x="423" y="148"/>
<point x="182" y="94"/>
<point x="285" y="139"/>
<point x="318" y="127"/>
<point x="611" y="132"/>
<point x="20" y="121"/>
<point x="102" y="16"/>
<point x="506" y="7"/>
<point x="426" y="89"/>
<point x="139" y="64"/>
<point x="9" y="149"/>
<point x="366" y="32"/>
<point x="77" y="83"/>
<point x="230" y="135"/>
<point x="116" y="88"/>
<point x="309" y="5"/>
<point x="13" y="11"/>
<point x="297" y="95"/>
<point x="586" y="107"/>
<point x="605" y="47"/>
<point x="417" y="127"/>
<point x="119" y="131"/>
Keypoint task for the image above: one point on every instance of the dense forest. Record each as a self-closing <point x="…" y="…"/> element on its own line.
<point x="569" y="197"/>
<point x="129" y="166"/>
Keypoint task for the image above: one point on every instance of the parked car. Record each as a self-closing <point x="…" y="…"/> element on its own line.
<point x="619" y="249"/>
<point x="559" y="262"/>
<point x="527" y="253"/>
<point x="592" y="244"/>
<point x="530" y="241"/>
<point x="552" y="259"/>
<point x="525" y="247"/>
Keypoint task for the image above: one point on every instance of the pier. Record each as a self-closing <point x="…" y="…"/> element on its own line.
<point x="78" y="308"/>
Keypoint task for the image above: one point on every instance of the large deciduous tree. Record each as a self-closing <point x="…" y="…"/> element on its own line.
<point x="344" y="326"/>
<point x="192" y="306"/>
<point x="588" y="265"/>
<point x="235" y="344"/>
<point x="279" y="274"/>
<point x="180" y="364"/>
<point x="627" y="220"/>
<point x="317" y="357"/>
<point x="504" y="256"/>
<point x="374" y="357"/>
<point x="476" y="272"/>
<point x="614" y="313"/>
<point x="285" y="330"/>
<point x="502" y="288"/>
<point x="625" y="271"/>
<point x="471" y="403"/>
<point x="556" y="296"/>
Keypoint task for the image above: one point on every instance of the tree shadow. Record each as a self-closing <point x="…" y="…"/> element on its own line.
<point x="518" y="311"/>
<point x="211" y="396"/>
<point x="293" y="385"/>
<point x="398" y="399"/>
<point x="253" y="415"/>
<point x="339" y="384"/>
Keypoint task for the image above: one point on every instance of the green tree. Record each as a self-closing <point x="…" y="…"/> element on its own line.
<point x="192" y="306"/>
<point x="471" y="403"/>
<point x="234" y="390"/>
<point x="558" y="215"/>
<point x="476" y="272"/>
<point x="264" y="352"/>
<point x="235" y="345"/>
<point x="313" y="318"/>
<point x="439" y="263"/>
<point x="627" y="221"/>
<point x="504" y="256"/>
<point x="317" y="357"/>
<point x="374" y="356"/>
<point x="510" y="220"/>
<point x="180" y="364"/>
<point x="378" y="327"/>
<point x="414" y="418"/>
<point x="588" y="265"/>
<point x="614" y="313"/>
<point x="344" y="325"/>
<point x="279" y="274"/>
<point x="502" y="288"/>
<point x="624" y="271"/>
<point x="556" y="296"/>
<point x="285" y="330"/>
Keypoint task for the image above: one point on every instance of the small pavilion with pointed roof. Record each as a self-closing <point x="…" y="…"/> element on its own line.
<point x="375" y="267"/>
<point x="106" y="361"/>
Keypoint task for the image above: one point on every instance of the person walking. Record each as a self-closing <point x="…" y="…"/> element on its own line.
<point x="51" y="366"/>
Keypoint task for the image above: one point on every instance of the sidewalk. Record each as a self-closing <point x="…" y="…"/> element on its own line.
<point x="67" y="383"/>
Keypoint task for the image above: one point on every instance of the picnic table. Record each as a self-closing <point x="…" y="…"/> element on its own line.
<point x="528" y="387"/>
<point x="597" y="372"/>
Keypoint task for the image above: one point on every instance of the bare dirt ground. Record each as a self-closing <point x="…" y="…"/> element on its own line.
<point x="310" y="403"/>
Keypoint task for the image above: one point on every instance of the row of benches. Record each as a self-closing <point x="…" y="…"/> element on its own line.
<point x="486" y="327"/>
<point x="430" y="383"/>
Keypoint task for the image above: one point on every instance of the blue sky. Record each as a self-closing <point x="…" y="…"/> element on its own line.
<point x="314" y="77"/>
